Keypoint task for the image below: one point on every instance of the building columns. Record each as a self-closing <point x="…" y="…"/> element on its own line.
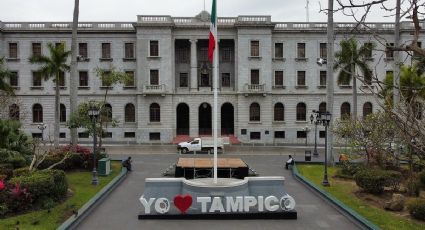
<point x="193" y="65"/>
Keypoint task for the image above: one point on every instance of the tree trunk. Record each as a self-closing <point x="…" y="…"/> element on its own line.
<point x="353" y="77"/>
<point x="330" y="78"/>
<point x="57" y="112"/>
<point x="396" y="64"/>
<point x="74" y="74"/>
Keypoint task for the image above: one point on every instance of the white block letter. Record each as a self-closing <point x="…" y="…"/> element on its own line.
<point x="249" y="201"/>
<point x="216" y="205"/>
<point x="147" y="204"/>
<point x="234" y="205"/>
<point x="260" y="203"/>
<point x="269" y="206"/>
<point x="203" y="201"/>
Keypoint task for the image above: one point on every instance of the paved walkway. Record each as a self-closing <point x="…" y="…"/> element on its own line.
<point x="121" y="208"/>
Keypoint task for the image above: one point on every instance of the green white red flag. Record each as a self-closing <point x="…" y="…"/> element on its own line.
<point x="213" y="31"/>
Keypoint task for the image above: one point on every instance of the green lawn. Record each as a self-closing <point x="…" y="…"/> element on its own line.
<point x="343" y="191"/>
<point x="80" y="183"/>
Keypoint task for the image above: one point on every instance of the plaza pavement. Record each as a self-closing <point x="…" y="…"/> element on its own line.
<point x="121" y="208"/>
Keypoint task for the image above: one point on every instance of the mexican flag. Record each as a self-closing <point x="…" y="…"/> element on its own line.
<point x="213" y="31"/>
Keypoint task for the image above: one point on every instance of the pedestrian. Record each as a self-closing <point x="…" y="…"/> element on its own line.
<point x="290" y="161"/>
<point x="127" y="164"/>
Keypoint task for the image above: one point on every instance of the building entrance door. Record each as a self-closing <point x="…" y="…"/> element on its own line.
<point x="182" y="119"/>
<point x="227" y="119"/>
<point x="204" y="118"/>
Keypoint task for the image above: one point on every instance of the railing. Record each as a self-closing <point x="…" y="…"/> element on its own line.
<point x="254" y="88"/>
<point x="342" y="26"/>
<point x="154" y="89"/>
<point x="66" y="25"/>
<point x="154" y="19"/>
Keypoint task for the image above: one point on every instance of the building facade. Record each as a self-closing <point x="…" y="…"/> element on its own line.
<point x="269" y="79"/>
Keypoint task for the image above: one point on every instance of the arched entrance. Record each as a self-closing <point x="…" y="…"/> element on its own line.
<point x="182" y="119"/>
<point x="205" y="121"/>
<point x="227" y="119"/>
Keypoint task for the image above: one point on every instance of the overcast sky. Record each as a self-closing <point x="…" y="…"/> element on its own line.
<point x="126" y="10"/>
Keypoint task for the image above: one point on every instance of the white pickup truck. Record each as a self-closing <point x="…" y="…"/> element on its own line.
<point x="200" y="144"/>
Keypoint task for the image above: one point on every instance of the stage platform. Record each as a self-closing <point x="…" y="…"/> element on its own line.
<point x="191" y="168"/>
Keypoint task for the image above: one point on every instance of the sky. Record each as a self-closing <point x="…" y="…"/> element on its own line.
<point x="127" y="10"/>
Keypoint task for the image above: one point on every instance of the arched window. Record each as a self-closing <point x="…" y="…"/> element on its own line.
<point x="345" y="111"/>
<point x="367" y="109"/>
<point x="14" y="112"/>
<point x="62" y="113"/>
<point x="279" y="112"/>
<point x="37" y="113"/>
<point x="107" y="112"/>
<point x="322" y="107"/>
<point x="254" y="112"/>
<point x="301" y="111"/>
<point x="155" y="112"/>
<point x="129" y="113"/>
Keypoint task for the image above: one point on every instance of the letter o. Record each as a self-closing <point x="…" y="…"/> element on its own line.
<point x="162" y="205"/>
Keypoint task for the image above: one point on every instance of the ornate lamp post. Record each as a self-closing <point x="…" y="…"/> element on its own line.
<point x="42" y="127"/>
<point x="325" y="120"/>
<point x="94" y="114"/>
<point x="315" y="119"/>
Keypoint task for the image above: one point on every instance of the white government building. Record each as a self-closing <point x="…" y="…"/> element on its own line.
<point x="269" y="81"/>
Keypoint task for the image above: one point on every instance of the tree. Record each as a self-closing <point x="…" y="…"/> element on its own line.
<point x="51" y="67"/>
<point x="348" y="59"/>
<point x="73" y="82"/>
<point x="4" y="74"/>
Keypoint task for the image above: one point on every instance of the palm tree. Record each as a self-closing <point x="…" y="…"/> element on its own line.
<point x="4" y="74"/>
<point x="53" y="66"/>
<point x="350" y="58"/>
<point x="73" y="90"/>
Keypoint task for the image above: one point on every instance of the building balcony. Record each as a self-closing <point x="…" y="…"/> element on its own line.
<point x="254" y="89"/>
<point x="154" y="90"/>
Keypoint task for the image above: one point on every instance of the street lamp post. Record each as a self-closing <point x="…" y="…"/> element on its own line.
<point x="315" y="119"/>
<point x="94" y="114"/>
<point x="306" y="129"/>
<point x="325" y="120"/>
<point x="42" y="127"/>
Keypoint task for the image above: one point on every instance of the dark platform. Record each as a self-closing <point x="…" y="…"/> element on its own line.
<point x="226" y="216"/>
<point x="191" y="168"/>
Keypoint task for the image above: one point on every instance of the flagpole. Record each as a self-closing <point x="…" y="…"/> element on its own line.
<point x="215" y="78"/>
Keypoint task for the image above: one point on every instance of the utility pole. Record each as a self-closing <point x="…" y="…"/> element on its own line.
<point x="330" y="78"/>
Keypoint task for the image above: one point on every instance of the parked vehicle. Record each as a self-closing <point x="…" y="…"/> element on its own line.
<point x="200" y="144"/>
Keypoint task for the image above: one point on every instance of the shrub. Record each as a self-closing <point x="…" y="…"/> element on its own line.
<point x="3" y="209"/>
<point x="7" y="170"/>
<point x="37" y="183"/>
<point x="349" y="169"/>
<point x="417" y="209"/>
<point x="393" y="179"/>
<point x="422" y="178"/>
<point x="21" y="172"/>
<point x="18" y="161"/>
<point x="374" y="180"/>
<point x="340" y="173"/>
<point x="60" y="187"/>
<point x="413" y="187"/>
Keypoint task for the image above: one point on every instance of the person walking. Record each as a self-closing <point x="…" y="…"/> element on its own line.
<point x="290" y="161"/>
<point x="127" y="164"/>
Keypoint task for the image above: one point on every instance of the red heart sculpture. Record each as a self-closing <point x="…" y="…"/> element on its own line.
<point x="183" y="202"/>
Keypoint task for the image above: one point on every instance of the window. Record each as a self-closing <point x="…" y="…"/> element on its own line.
<point x="129" y="134"/>
<point x="301" y="50"/>
<point x="255" y="77"/>
<point x="106" y="134"/>
<point x="130" y="81"/>
<point x="323" y="51"/>
<point x="36" y="49"/>
<point x="389" y="54"/>
<point x="301" y="111"/>
<point x="154" y="136"/>
<point x="345" y="111"/>
<point x="322" y="134"/>
<point x="61" y="79"/>
<point x="154" y="48"/>
<point x="203" y="54"/>
<point x="254" y="112"/>
<point x="279" y="134"/>
<point x="278" y="50"/>
<point x="37" y="113"/>
<point x="82" y="50"/>
<point x="301" y="134"/>
<point x="62" y="135"/>
<point x="389" y="73"/>
<point x="226" y="55"/>
<point x="182" y="55"/>
<point x="107" y="112"/>
<point x="62" y="113"/>
<point x="225" y="79"/>
<point x="13" y="79"/>
<point x="129" y="50"/>
<point x="243" y="131"/>
<point x="322" y="80"/>
<point x="14" y="112"/>
<point x="278" y="78"/>
<point x="416" y="54"/>
<point x="344" y="80"/>
<point x="255" y="48"/>
<point x="279" y="112"/>
<point x="300" y="78"/>
<point x="367" y="109"/>
<point x="13" y="50"/>
<point x="368" y="48"/>
<point x="106" y="83"/>
<point x="37" y="135"/>
<point x="129" y="113"/>
<point x="154" y="77"/>
<point x="106" y="50"/>
<point x="36" y="79"/>
<point x="155" y="112"/>
<point x="183" y="80"/>
<point x="255" y="135"/>
<point x="84" y="78"/>
<point x="60" y="45"/>
<point x="322" y="107"/>
<point x="83" y="135"/>
<point x="368" y="78"/>
<point x="205" y="80"/>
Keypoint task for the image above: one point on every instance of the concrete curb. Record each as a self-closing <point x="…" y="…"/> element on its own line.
<point x="361" y="220"/>
<point x="73" y="221"/>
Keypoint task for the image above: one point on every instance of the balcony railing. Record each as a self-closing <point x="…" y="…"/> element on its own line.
<point x="154" y="89"/>
<point x="254" y="89"/>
